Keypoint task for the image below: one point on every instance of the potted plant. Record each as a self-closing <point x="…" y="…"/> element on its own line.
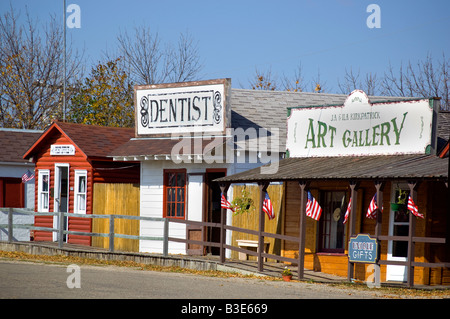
<point x="286" y="274"/>
<point x="243" y="203"/>
<point x="400" y="202"/>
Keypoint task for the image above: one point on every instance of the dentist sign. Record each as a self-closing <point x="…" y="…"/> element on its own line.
<point x="360" y="127"/>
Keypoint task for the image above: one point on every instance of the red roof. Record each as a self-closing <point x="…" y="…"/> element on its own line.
<point x="93" y="141"/>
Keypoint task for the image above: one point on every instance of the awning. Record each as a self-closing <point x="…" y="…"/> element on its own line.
<point x="399" y="167"/>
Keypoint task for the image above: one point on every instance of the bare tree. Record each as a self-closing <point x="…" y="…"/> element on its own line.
<point x="31" y="67"/>
<point x="296" y="83"/>
<point x="425" y="78"/>
<point x="150" y="62"/>
<point x="264" y="80"/>
<point x="352" y="81"/>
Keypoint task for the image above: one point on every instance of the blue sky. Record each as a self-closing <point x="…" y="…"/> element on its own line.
<point x="237" y="37"/>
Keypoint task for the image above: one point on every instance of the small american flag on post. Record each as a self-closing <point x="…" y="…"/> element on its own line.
<point x="28" y="176"/>
<point x="313" y="208"/>
<point x="347" y="213"/>
<point x="225" y="204"/>
<point x="267" y="207"/>
<point x="373" y="208"/>
<point x="413" y="207"/>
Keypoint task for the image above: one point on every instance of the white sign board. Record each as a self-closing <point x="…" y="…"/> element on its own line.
<point x="361" y="128"/>
<point x="62" y="149"/>
<point x="182" y="109"/>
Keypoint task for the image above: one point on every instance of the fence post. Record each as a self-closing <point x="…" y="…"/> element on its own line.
<point x="10" y="225"/>
<point x="111" y="233"/>
<point x="61" y="229"/>
<point x="166" y="238"/>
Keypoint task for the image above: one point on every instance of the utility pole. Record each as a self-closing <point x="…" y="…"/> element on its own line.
<point x="64" y="80"/>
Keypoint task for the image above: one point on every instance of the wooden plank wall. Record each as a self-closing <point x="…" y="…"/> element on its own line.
<point x="119" y="199"/>
<point x="250" y="220"/>
<point x="78" y="161"/>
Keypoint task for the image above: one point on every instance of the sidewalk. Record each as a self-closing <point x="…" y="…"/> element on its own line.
<point x="191" y="262"/>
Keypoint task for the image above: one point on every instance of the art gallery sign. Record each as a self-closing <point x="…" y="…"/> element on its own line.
<point x="359" y="127"/>
<point x="184" y="108"/>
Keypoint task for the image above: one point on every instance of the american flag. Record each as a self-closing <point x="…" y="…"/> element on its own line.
<point x="267" y="207"/>
<point x="313" y="208"/>
<point x="225" y="204"/>
<point x="347" y="213"/>
<point x="28" y="176"/>
<point x="413" y="207"/>
<point x="372" y="210"/>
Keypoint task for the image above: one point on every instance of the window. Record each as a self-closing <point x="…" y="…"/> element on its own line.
<point x="80" y="191"/>
<point x="331" y="226"/>
<point x="174" y="193"/>
<point x="43" y="190"/>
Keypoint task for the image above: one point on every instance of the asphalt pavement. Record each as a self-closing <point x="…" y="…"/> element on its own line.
<point x="24" y="280"/>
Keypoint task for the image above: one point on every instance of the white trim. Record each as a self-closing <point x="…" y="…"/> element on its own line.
<point x="395" y="272"/>
<point x="76" y="194"/>
<point x="41" y="174"/>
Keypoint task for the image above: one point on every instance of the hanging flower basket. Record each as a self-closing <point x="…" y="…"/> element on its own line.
<point x="242" y="204"/>
<point x="398" y="207"/>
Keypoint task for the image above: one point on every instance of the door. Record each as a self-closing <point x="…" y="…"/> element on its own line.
<point x="195" y="205"/>
<point x="213" y="209"/>
<point x="398" y="226"/>
<point x="331" y="226"/>
<point x="61" y="195"/>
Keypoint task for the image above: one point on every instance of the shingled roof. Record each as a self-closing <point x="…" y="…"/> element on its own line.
<point x="15" y="142"/>
<point x="268" y="109"/>
<point x="92" y="140"/>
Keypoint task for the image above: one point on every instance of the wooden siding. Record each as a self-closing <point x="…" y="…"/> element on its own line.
<point x="115" y="172"/>
<point x="119" y="199"/>
<point x="250" y="220"/>
<point x="44" y="160"/>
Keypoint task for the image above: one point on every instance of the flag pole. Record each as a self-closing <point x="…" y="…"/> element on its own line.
<point x="64" y="80"/>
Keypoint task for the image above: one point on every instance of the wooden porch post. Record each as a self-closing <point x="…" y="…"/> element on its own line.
<point x="223" y="216"/>
<point x="302" y="229"/>
<point x="379" y="185"/>
<point x="413" y="185"/>
<point x="262" y="193"/>
<point x="352" y="226"/>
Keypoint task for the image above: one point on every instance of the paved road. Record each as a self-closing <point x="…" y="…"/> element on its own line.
<point x="36" y="280"/>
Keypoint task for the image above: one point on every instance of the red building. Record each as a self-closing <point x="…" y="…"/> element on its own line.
<point x="69" y="159"/>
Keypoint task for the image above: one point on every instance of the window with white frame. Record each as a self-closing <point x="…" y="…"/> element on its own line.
<point x="80" y="191"/>
<point x="43" y="190"/>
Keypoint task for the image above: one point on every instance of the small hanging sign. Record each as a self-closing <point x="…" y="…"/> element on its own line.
<point x="62" y="149"/>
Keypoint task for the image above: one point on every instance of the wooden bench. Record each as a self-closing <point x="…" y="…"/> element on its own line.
<point x="250" y="245"/>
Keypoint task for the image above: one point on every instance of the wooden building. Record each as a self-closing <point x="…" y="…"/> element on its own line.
<point x="71" y="159"/>
<point x="330" y="163"/>
<point x="13" y="144"/>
